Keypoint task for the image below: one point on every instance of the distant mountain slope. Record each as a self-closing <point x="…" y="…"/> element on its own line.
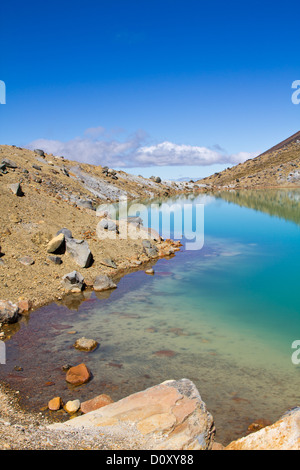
<point x="277" y="167"/>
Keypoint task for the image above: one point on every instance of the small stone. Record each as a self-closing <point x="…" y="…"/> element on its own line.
<point x="24" y="305"/>
<point x="72" y="407"/>
<point x="109" y="263"/>
<point x="55" y="404"/>
<point x="16" y="189"/>
<point x="26" y="261"/>
<point x="95" y="403"/>
<point x="56" y="244"/>
<point x="36" y="167"/>
<point x="84" y="344"/>
<point x="149" y="271"/>
<point x="55" y="259"/>
<point x="78" y="375"/>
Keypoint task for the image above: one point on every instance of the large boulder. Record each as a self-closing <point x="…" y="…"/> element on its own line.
<point x="79" y="250"/>
<point x="169" y="416"/>
<point x="283" y="435"/>
<point x="8" y="312"/>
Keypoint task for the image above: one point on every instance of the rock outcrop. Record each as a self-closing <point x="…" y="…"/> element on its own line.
<point x="169" y="416"/>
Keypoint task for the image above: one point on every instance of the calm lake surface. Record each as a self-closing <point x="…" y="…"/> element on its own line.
<point x="224" y="316"/>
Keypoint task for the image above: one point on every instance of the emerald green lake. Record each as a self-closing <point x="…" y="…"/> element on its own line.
<point x="227" y="314"/>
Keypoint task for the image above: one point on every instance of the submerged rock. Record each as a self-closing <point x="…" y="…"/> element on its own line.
<point x="78" y="375"/>
<point x="55" y="404"/>
<point x="84" y="344"/>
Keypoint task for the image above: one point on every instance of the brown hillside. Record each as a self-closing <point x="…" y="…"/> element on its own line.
<point x="277" y="167"/>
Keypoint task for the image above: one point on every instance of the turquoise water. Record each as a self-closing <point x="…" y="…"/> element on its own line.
<point x="224" y="316"/>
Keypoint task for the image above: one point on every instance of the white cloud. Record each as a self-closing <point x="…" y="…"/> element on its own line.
<point x="132" y="152"/>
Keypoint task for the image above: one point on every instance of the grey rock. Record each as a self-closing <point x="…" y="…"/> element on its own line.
<point x="73" y="282"/>
<point x="79" y="251"/>
<point x="55" y="259"/>
<point x="16" y="189"/>
<point x="9" y="163"/>
<point x="103" y="282"/>
<point x="149" y="249"/>
<point x="26" y="260"/>
<point x="108" y="225"/>
<point x="67" y="233"/>
<point x="109" y="263"/>
<point x="36" y="167"/>
<point x="85" y="203"/>
<point x="8" y="312"/>
<point x="156" y="179"/>
<point x="39" y="152"/>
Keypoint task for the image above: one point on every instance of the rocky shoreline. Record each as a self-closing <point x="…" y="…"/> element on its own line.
<point x="42" y="260"/>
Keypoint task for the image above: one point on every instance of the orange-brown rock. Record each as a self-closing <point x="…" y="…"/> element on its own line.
<point x="95" y="403"/>
<point x="55" y="404"/>
<point x="78" y="375"/>
<point x="24" y="305"/>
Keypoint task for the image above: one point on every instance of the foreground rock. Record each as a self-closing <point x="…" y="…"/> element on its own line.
<point x="283" y="435"/>
<point x="169" y="416"/>
<point x="8" y="312"/>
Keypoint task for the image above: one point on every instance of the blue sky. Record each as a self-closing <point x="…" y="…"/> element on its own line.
<point x="163" y="87"/>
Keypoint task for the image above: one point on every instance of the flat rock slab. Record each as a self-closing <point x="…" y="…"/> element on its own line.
<point x="168" y="416"/>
